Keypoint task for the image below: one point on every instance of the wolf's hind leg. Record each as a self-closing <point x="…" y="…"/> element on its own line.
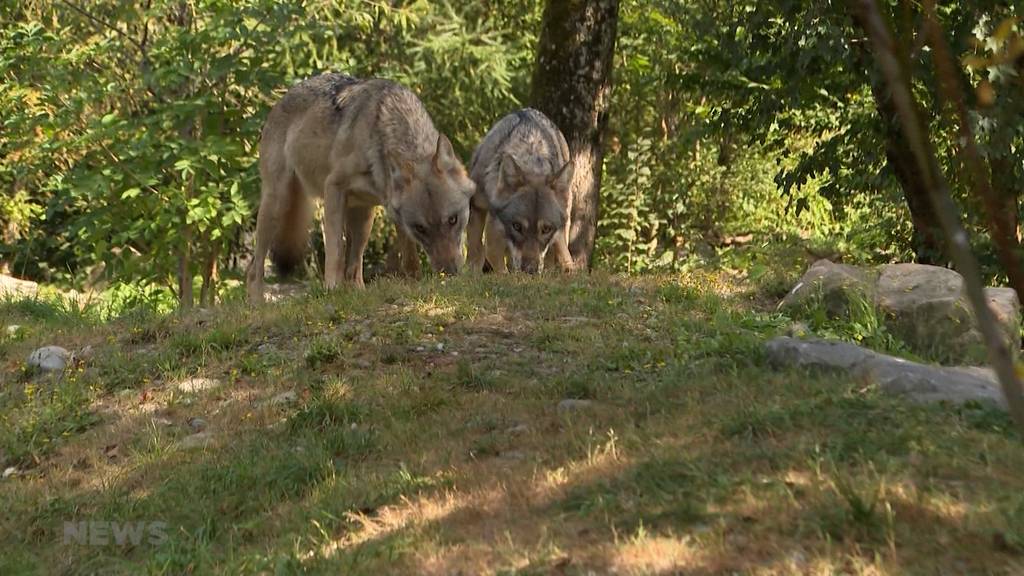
<point x="495" y="245"/>
<point x="358" y="224"/>
<point x="475" y="239"/>
<point x="274" y="190"/>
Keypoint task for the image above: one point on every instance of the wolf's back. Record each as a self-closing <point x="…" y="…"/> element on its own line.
<point x="527" y="135"/>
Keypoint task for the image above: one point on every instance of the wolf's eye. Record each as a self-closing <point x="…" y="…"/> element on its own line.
<point x="546" y="229"/>
<point x="517" y="227"/>
<point x="420" y="229"/>
<point x="453" y="219"/>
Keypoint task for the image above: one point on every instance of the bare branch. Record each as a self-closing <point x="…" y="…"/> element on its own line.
<point x="105" y="24"/>
<point x="870" y="18"/>
<point x="966" y="145"/>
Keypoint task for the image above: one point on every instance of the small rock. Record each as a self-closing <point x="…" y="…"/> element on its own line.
<point x="10" y="471"/>
<point x="161" y="421"/>
<point x="439" y="347"/>
<point x="13" y="330"/>
<point x="265" y="348"/>
<point x="194" y="385"/>
<point x="513" y="455"/>
<point x="288" y="397"/>
<point x="49" y="358"/>
<point x="199" y="440"/>
<point x="197" y="424"/>
<point x="518" y="430"/>
<point x="573" y="405"/>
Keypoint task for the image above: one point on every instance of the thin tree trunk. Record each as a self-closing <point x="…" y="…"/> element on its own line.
<point x="957" y="241"/>
<point x="927" y="233"/>
<point x="208" y="292"/>
<point x="572" y="86"/>
<point x="182" y="17"/>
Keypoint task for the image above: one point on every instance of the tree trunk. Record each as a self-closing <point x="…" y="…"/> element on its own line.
<point x="927" y="234"/>
<point x="208" y="292"/>
<point x="572" y="86"/>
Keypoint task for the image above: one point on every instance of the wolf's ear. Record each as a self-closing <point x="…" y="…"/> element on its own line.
<point x="510" y="174"/>
<point x="563" y="178"/>
<point x="444" y="155"/>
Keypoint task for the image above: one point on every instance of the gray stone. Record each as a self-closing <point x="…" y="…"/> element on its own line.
<point x="815" y="354"/>
<point x="10" y="471"/>
<point x="194" y="385"/>
<point x="573" y="405"/>
<point x="197" y="424"/>
<point x="199" y="440"/>
<point x="925" y="307"/>
<point x="925" y="383"/>
<point x="896" y="376"/>
<point x="12" y="330"/>
<point x="836" y="287"/>
<point x="49" y="358"/>
<point x="11" y="287"/>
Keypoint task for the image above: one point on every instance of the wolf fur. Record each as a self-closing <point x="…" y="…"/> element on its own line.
<point x="523" y="172"/>
<point x="356" y="144"/>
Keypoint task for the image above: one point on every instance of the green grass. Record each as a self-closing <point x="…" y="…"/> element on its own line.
<point x="424" y="437"/>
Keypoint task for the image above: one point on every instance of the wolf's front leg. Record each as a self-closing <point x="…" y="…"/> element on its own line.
<point x="334" y="236"/>
<point x="475" y="238"/>
<point x="495" y="245"/>
<point x="358" y="224"/>
<point x="409" y="255"/>
<point x="562" y="254"/>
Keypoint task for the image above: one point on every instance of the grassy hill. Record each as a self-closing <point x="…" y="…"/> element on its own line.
<point x="486" y="425"/>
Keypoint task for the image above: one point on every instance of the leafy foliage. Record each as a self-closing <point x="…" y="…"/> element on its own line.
<point x="130" y="131"/>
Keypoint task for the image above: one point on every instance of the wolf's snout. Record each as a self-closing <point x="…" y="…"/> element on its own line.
<point x="531" y="266"/>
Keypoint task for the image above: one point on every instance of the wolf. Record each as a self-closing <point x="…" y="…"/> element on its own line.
<point x="523" y="199"/>
<point x="356" y="144"/>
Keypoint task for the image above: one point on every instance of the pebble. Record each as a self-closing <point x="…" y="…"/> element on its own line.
<point x="573" y="405"/>
<point x="193" y="385"/>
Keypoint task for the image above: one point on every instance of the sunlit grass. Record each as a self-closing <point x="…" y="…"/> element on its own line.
<point x="425" y="436"/>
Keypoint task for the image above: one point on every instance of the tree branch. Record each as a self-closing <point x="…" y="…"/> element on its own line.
<point x="958" y="243"/>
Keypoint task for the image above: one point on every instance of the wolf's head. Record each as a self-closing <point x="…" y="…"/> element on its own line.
<point x="530" y="211"/>
<point x="430" y="200"/>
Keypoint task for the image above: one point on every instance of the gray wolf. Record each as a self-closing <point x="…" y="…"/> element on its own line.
<point x="523" y="199"/>
<point x="356" y="144"/>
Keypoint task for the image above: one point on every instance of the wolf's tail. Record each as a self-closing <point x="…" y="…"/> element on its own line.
<point x="291" y="242"/>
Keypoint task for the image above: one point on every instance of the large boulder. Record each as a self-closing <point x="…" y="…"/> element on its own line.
<point x="49" y="359"/>
<point x="896" y="376"/>
<point x="927" y="308"/>
<point x="835" y="287"/>
<point x="11" y="287"/>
